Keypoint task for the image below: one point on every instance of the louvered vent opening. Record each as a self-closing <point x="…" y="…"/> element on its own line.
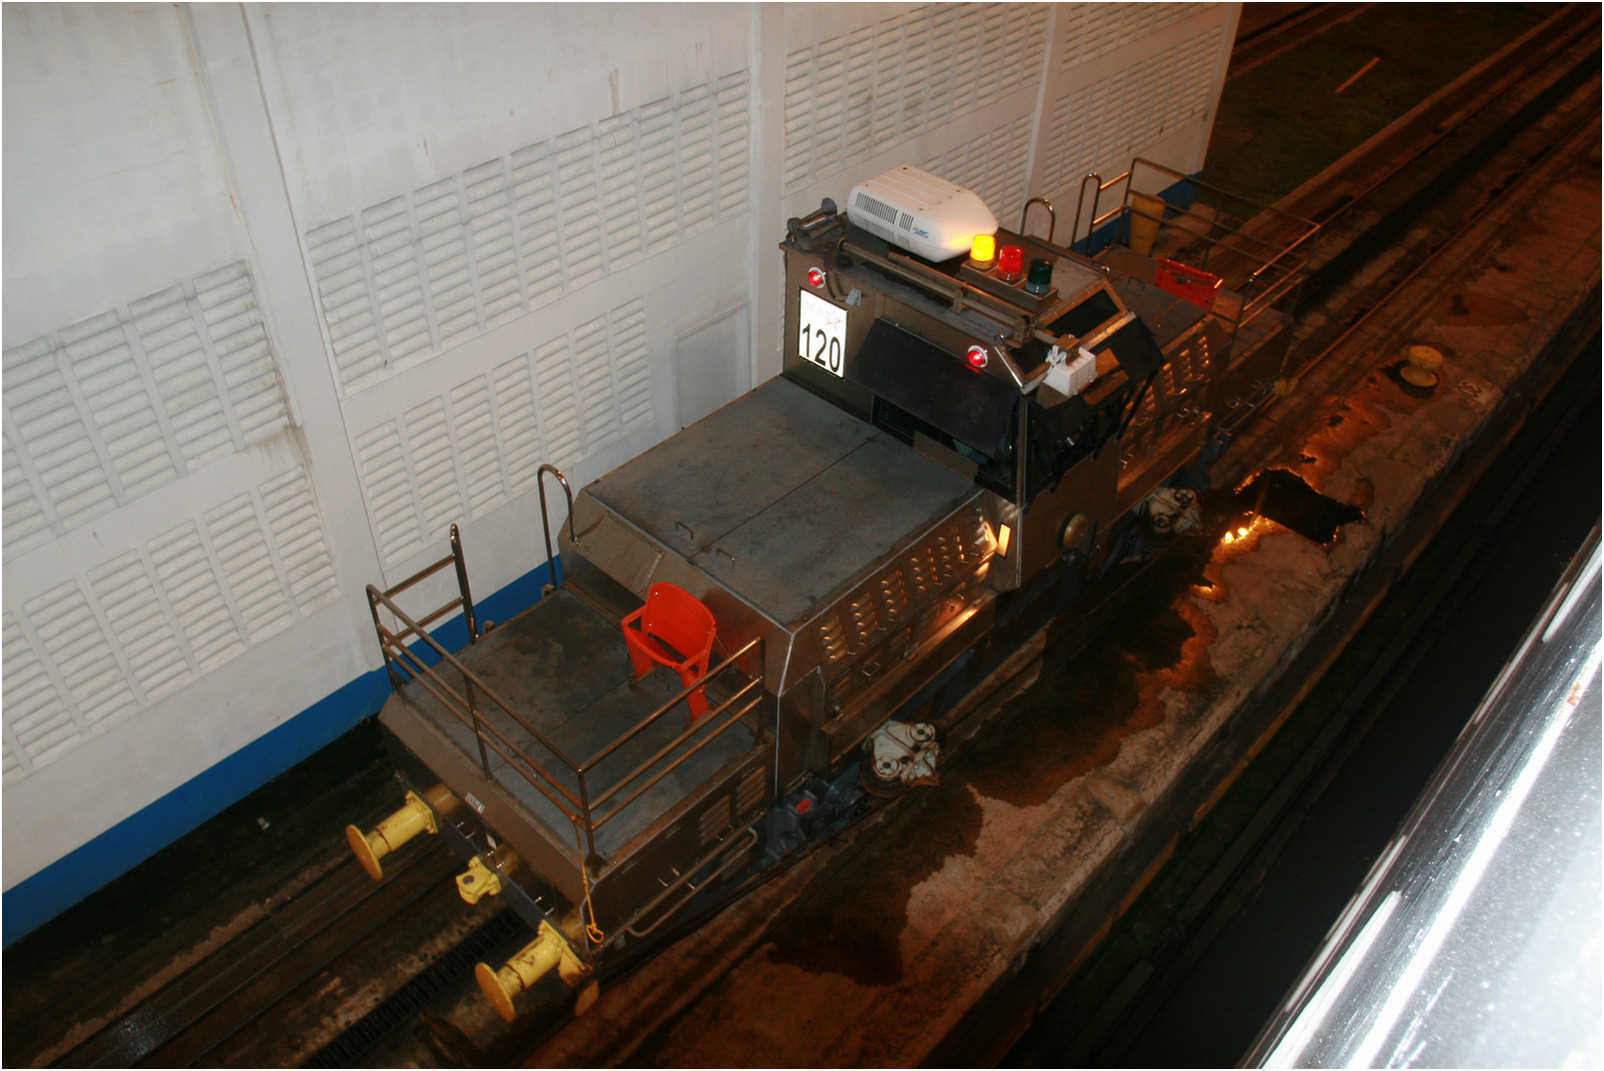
<point x="716" y="820"/>
<point x="906" y="76"/>
<point x="429" y="269"/>
<point x="832" y="640"/>
<point x="876" y="207"/>
<point x="752" y="793"/>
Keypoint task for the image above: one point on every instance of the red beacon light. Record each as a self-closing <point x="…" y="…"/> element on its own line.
<point x="816" y="277"/>
<point x="977" y="357"/>
<point x="1010" y="263"/>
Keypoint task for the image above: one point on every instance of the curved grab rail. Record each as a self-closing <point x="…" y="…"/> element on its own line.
<point x="545" y="520"/>
<point x="1052" y="216"/>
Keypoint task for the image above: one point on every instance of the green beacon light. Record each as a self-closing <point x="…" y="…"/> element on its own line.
<point x="1040" y="279"/>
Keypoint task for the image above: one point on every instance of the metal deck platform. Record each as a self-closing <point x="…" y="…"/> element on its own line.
<point x="563" y="664"/>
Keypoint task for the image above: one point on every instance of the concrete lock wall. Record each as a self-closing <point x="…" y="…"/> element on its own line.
<point x="289" y="290"/>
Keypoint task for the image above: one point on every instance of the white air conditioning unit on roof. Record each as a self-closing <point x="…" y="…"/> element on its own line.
<point x="920" y="212"/>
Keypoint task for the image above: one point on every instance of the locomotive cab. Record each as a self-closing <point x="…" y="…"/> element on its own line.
<point x="942" y="436"/>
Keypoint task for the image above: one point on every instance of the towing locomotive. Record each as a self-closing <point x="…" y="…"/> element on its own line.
<point x="766" y="616"/>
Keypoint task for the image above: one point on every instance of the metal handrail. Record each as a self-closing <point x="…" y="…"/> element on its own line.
<point x="468" y="616"/>
<point x="1276" y="266"/>
<point x="732" y="853"/>
<point x="1307" y="226"/>
<point x="695" y="727"/>
<point x="1183" y="214"/>
<point x="448" y="657"/>
<point x="500" y="745"/>
<point x="431" y="618"/>
<point x="1097" y="196"/>
<point x="644" y="723"/>
<point x="1052" y="216"/>
<point x="464" y="599"/>
<point x="1257" y="295"/>
<point x="553" y="582"/>
<point x="579" y="808"/>
<point x="670" y="768"/>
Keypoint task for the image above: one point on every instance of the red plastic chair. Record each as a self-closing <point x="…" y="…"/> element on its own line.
<point x="675" y="630"/>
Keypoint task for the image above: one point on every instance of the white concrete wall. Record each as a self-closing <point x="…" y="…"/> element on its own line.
<point x="290" y="289"/>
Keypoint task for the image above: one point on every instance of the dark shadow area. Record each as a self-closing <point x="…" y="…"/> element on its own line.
<point x="1189" y="975"/>
<point x="1290" y="502"/>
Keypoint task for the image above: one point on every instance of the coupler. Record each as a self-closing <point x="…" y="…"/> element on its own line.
<point x="480" y="881"/>
<point x="532" y="963"/>
<point x="416" y="816"/>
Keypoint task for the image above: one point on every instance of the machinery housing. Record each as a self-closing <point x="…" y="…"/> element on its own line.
<point x="949" y="447"/>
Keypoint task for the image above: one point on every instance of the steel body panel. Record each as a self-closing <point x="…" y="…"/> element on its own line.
<point x="1087" y="489"/>
<point x="538" y="845"/>
<point x="847" y="503"/>
<point x="1165" y="314"/>
<point x="949" y="308"/>
<point x="956" y="626"/>
<point x="657" y="857"/>
<point x="790" y="558"/>
<point x="877" y="296"/>
<point x="696" y="487"/>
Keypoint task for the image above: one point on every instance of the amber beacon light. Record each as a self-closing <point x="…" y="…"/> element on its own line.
<point x="983" y="251"/>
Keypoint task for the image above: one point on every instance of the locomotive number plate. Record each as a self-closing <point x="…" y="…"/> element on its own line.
<point x="821" y="336"/>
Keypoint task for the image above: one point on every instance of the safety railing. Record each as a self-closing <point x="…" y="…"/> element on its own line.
<point x="464" y="597"/>
<point x="418" y="629"/>
<point x="465" y="704"/>
<point x="1097" y="194"/>
<point x="727" y="855"/>
<point x="586" y="812"/>
<point x="553" y="579"/>
<point x="1255" y="247"/>
<point x="660" y="759"/>
<point x="1258" y="255"/>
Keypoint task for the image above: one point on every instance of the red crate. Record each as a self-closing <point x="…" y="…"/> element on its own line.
<point x="1190" y="284"/>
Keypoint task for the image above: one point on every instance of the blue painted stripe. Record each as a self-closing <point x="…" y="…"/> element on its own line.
<point x="39" y="898"/>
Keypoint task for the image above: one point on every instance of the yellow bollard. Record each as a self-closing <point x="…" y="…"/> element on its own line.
<point x="1421" y="363"/>
<point x="415" y="816"/>
<point x="1146" y="215"/>
<point x="533" y="962"/>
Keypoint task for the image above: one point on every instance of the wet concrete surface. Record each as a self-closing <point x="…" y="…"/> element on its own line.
<point x="1067" y="725"/>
